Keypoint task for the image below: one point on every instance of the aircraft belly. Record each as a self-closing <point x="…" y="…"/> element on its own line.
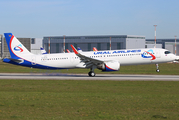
<point x="133" y="61"/>
<point x="58" y="64"/>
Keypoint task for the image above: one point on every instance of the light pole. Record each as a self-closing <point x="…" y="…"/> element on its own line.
<point x="49" y="45"/>
<point x="155" y="34"/>
<point x="175" y="46"/>
<point x="110" y="44"/>
<point x="64" y="43"/>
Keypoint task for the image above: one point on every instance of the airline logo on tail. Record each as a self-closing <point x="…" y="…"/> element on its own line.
<point x="18" y="48"/>
<point x="149" y="54"/>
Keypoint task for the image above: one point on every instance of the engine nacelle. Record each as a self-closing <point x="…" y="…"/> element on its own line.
<point x="109" y="66"/>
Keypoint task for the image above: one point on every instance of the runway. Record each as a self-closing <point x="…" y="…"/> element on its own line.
<point x="60" y="76"/>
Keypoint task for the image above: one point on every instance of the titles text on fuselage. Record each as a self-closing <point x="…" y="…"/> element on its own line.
<point x="115" y="52"/>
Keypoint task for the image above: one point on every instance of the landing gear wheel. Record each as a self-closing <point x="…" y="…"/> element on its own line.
<point x="91" y="74"/>
<point x="157" y="66"/>
<point x="157" y="70"/>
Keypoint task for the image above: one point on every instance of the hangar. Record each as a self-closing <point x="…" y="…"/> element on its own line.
<point x="86" y="43"/>
<point x="168" y="44"/>
<point x="102" y="42"/>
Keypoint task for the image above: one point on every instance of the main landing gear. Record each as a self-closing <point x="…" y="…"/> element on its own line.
<point x="92" y="73"/>
<point x="157" y="66"/>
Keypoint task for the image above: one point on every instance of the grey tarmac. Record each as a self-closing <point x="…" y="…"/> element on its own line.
<point x="61" y="76"/>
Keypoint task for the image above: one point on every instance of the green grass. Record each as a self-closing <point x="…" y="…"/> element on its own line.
<point x="88" y="100"/>
<point x="165" y="69"/>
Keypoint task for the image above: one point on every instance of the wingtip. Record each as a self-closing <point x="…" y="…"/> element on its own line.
<point x="74" y="49"/>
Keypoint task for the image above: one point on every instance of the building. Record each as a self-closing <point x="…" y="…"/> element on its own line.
<point x="86" y="43"/>
<point x="151" y="44"/>
<point x="168" y="44"/>
<point x="36" y="43"/>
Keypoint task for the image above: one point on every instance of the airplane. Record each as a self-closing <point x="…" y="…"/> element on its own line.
<point x="43" y="51"/>
<point x="107" y="60"/>
<point x="95" y="49"/>
<point x="68" y="51"/>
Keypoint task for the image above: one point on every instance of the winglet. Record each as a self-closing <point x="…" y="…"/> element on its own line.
<point x="74" y="49"/>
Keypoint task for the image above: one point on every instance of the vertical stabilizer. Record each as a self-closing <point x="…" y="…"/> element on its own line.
<point x="43" y="51"/>
<point x="16" y="48"/>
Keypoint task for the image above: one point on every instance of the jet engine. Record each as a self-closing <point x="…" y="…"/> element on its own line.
<point x="109" y="66"/>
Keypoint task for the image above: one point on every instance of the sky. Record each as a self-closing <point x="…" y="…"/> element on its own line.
<point x="39" y="18"/>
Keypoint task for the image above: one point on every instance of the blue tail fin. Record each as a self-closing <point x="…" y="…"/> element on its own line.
<point x="43" y="50"/>
<point x="16" y="48"/>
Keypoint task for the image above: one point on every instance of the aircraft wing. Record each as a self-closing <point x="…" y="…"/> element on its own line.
<point x="89" y="62"/>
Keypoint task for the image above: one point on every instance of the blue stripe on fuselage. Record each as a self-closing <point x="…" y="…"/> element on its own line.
<point x="29" y="64"/>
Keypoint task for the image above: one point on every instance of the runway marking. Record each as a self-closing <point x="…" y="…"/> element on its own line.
<point x="60" y="76"/>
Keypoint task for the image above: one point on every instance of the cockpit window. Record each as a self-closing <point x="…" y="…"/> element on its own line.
<point x="167" y="52"/>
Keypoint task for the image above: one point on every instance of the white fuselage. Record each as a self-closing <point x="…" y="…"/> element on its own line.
<point x="124" y="57"/>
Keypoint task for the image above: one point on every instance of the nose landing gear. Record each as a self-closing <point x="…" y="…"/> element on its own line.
<point x="157" y="66"/>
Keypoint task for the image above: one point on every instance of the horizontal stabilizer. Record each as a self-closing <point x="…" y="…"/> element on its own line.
<point x="7" y="60"/>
